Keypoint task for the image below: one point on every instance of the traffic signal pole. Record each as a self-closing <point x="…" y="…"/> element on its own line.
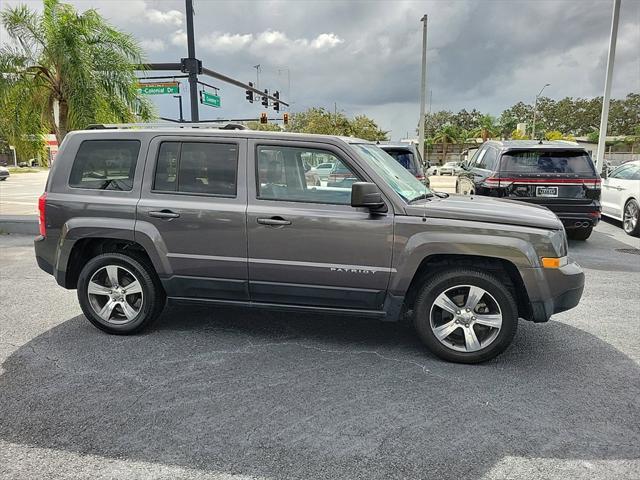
<point x="192" y="61"/>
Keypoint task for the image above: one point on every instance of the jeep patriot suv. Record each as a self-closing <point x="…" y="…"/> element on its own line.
<point x="133" y="217"/>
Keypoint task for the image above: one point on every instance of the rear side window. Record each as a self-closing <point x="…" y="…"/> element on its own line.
<point x="105" y="165"/>
<point x="404" y="158"/>
<point x="489" y="160"/>
<point x="547" y="161"/>
<point x="197" y="167"/>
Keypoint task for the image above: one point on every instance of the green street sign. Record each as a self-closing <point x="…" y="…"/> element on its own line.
<point x="209" y="99"/>
<point x="162" y="88"/>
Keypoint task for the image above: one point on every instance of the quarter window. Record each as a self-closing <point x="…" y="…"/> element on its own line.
<point x="285" y="173"/>
<point x="105" y="165"/>
<point x="203" y="168"/>
<point x="488" y="160"/>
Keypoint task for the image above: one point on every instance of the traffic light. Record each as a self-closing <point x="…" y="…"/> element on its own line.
<point x="263" y="117"/>
<point x="249" y="95"/>
<point x="265" y="99"/>
<point x="285" y="118"/>
<point x="276" y="104"/>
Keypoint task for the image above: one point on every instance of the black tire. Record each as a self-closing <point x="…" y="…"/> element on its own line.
<point x="629" y="210"/>
<point x="579" y="233"/>
<point x="152" y="296"/>
<point x="443" y="282"/>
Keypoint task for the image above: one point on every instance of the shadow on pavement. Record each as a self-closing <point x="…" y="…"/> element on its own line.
<point x="277" y="395"/>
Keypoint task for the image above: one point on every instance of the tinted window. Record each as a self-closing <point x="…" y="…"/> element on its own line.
<point x="404" y="158"/>
<point x="547" y="161"/>
<point x="197" y="167"/>
<point x="626" y="172"/>
<point x="105" y="164"/>
<point x="282" y="176"/>
<point x="489" y="160"/>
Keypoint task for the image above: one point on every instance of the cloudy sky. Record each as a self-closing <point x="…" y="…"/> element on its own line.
<point x="364" y="56"/>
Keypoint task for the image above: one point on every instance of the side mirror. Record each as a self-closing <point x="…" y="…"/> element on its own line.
<point x="364" y="194"/>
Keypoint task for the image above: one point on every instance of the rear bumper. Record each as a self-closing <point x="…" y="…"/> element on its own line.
<point x="553" y="291"/>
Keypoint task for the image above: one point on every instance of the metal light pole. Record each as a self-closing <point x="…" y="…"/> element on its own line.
<point x="535" y="111"/>
<point x="193" y="73"/>
<point x="604" y="118"/>
<point x="423" y="87"/>
<point x="179" y="97"/>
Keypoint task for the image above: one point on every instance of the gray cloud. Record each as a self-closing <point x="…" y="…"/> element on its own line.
<point x="365" y="56"/>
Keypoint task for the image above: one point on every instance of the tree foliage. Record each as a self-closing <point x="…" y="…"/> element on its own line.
<point x="67" y="62"/>
<point x="320" y="120"/>
<point x="570" y="116"/>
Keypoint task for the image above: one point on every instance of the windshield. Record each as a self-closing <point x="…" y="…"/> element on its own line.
<point x="397" y="177"/>
<point x="547" y="161"/>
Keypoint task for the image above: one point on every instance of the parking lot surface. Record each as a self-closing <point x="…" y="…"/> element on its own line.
<point x="19" y="193"/>
<point x="222" y="393"/>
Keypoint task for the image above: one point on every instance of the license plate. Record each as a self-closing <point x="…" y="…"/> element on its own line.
<point x="546" y="191"/>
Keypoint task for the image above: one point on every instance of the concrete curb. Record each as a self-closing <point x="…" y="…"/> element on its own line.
<point x="21" y="224"/>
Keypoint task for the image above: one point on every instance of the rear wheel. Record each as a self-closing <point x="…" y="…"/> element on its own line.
<point x="630" y="220"/>
<point x="466" y="316"/>
<point x="579" y="233"/>
<point x="119" y="294"/>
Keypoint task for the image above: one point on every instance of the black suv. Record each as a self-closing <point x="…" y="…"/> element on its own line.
<point x="556" y="174"/>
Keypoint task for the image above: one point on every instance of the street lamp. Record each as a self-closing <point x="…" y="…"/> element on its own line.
<point x="15" y="159"/>
<point x="535" y="110"/>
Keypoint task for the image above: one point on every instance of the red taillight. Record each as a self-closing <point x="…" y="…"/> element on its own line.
<point x="420" y="177"/>
<point x="492" y="181"/>
<point x="42" y="219"/>
<point x="595" y="214"/>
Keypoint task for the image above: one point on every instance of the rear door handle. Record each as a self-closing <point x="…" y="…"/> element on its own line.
<point x="274" y="221"/>
<point x="168" y="214"/>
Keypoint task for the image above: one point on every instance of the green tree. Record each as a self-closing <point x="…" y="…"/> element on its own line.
<point x="265" y="127"/>
<point x="447" y="135"/>
<point x="320" y="120"/>
<point x="73" y="63"/>
<point x="487" y="129"/>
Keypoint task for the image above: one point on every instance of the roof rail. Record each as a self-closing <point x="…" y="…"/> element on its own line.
<point x="125" y="126"/>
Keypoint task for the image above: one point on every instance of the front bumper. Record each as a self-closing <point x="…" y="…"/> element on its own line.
<point x="553" y="290"/>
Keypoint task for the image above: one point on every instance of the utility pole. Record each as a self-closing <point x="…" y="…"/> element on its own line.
<point x="423" y="86"/>
<point x="257" y="67"/>
<point x="192" y="63"/>
<point x="604" y="118"/>
<point x="535" y="111"/>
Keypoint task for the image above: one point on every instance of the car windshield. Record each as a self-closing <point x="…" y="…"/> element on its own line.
<point x="397" y="177"/>
<point x="547" y="161"/>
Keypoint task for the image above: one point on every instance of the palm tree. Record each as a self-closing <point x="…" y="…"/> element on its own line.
<point x="68" y="69"/>
<point x="446" y="135"/>
<point x="488" y="128"/>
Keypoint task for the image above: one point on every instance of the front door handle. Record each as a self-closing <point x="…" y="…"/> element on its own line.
<point x="274" y="221"/>
<point x="166" y="214"/>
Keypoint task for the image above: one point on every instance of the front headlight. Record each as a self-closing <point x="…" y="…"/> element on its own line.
<point x="559" y="242"/>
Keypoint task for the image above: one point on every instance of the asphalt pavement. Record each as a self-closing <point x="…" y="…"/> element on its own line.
<point x="222" y="393"/>
<point x="19" y="193"/>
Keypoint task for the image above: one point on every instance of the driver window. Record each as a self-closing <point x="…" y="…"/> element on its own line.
<point x="290" y="174"/>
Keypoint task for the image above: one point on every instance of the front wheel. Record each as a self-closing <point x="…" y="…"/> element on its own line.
<point x="119" y="294"/>
<point x="579" y="233"/>
<point x="466" y="315"/>
<point x="630" y="220"/>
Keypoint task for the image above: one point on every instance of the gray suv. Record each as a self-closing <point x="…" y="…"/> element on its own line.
<point x="132" y="218"/>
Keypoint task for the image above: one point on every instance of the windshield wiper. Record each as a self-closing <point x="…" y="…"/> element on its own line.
<point x="423" y="196"/>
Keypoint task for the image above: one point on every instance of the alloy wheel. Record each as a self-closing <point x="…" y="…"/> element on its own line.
<point x="465" y="318"/>
<point x="115" y="294"/>
<point x="630" y="219"/>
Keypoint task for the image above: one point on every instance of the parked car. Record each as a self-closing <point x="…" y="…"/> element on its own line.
<point x="226" y="217"/>
<point x="323" y="170"/>
<point x="407" y="155"/>
<point x="4" y="173"/>
<point x="559" y="175"/>
<point x="451" y="168"/>
<point x="621" y="196"/>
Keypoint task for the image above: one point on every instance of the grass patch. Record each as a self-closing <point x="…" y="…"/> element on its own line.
<point x="17" y="170"/>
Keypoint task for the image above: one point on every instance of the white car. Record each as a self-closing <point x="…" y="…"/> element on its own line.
<point x="323" y="170"/>
<point x="621" y="196"/>
<point x="450" y="168"/>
